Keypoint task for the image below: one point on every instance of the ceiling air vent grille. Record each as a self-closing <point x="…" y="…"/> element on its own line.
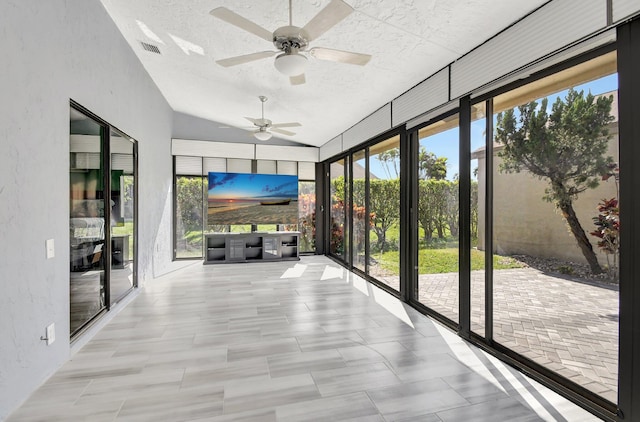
<point x="150" y="47"/>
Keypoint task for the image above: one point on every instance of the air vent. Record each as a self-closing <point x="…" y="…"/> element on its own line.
<point x="150" y="47"/>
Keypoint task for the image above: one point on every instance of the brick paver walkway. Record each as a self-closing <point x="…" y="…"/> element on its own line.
<point x="568" y="326"/>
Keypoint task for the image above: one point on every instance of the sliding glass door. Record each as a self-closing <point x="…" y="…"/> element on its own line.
<point x="87" y="281"/>
<point x="102" y="217"/>
<point x="123" y="204"/>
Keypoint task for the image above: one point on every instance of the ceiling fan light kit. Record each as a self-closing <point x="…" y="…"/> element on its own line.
<point x="262" y="135"/>
<point x="291" y="64"/>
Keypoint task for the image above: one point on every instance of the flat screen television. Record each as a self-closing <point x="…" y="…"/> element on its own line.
<point x="243" y="198"/>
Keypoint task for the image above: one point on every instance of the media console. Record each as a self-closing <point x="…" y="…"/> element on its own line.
<point x="222" y="248"/>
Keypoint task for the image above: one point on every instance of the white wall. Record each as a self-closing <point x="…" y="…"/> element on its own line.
<point x="53" y="51"/>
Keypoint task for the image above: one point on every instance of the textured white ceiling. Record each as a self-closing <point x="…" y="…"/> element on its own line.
<point x="408" y="39"/>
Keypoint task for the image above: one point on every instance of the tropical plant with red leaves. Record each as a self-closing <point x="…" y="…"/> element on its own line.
<point x="607" y="224"/>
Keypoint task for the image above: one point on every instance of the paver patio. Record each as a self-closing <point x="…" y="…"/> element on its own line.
<point x="567" y="325"/>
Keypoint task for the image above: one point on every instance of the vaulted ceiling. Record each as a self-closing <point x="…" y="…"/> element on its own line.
<point x="407" y="39"/>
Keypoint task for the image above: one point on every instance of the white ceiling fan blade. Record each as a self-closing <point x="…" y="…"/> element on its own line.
<point x="293" y="124"/>
<point x="243" y="23"/>
<point x="327" y="18"/>
<point x="297" y="80"/>
<point x="281" y="131"/>
<point x="340" y="56"/>
<point x="233" y="61"/>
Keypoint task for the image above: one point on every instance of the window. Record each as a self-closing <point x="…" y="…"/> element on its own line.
<point x="384" y="212"/>
<point x="438" y="222"/>
<point x="192" y="219"/>
<point x="555" y="212"/>
<point x="358" y="211"/>
<point x="189" y="211"/>
<point x="337" y="207"/>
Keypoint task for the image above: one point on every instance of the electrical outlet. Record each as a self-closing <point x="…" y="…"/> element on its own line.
<point x="51" y="333"/>
<point x="51" y="250"/>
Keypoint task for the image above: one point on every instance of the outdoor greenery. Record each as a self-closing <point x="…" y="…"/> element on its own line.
<point x="439" y="261"/>
<point x="607" y="224"/>
<point x="384" y="205"/>
<point x="567" y="148"/>
<point x="437" y="207"/>
<point x="189" y="191"/>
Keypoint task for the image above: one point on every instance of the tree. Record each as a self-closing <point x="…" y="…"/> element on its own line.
<point x="432" y="206"/>
<point x="337" y="214"/>
<point x="430" y="166"/>
<point x="189" y="201"/>
<point x="390" y="159"/>
<point x="566" y="148"/>
<point x="384" y="204"/>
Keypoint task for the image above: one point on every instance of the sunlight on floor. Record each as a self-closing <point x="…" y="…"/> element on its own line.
<point x="466" y="355"/>
<point x="332" y="272"/>
<point x="295" y="272"/>
<point x="359" y="283"/>
<point x="391" y="304"/>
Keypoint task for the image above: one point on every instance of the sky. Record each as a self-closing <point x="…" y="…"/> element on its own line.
<point x="252" y="186"/>
<point x="445" y="144"/>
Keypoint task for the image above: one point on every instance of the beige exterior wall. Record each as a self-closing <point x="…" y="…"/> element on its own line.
<point x="524" y="223"/>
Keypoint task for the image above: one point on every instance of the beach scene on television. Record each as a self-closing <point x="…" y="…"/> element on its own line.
<point x="243" y="198"/>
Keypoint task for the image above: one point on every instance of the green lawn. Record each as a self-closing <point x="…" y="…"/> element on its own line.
<point x="435" y="261"/>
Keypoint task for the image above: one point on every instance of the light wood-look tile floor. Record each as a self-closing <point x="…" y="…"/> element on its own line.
<point x="289" y="341"/>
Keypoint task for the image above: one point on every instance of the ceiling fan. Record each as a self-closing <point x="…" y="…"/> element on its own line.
<point x="266" y="126"/>
<point x="291" y="41"/>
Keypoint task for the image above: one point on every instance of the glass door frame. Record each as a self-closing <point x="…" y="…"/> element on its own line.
<point x="105" y="160"/>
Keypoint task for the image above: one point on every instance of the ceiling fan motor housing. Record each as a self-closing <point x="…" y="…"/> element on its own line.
<point x="288" y="38"/>
<point x="263" y="124"/>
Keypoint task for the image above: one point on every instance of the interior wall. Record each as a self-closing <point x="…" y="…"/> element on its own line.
<point x="54" y="51"/>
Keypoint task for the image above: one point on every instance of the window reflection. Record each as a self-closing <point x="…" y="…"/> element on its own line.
<point x="122" y="207"/>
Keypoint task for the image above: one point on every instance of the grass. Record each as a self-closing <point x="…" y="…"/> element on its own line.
<point x="437" y="261"/>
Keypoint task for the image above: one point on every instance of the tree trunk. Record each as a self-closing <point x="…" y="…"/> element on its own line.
<point x="428" y="234"/>
<point x="583" y="242"/>
<point x="382" y="234"/>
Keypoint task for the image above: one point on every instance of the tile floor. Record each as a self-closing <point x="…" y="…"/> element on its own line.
<point x="290" y="341"/>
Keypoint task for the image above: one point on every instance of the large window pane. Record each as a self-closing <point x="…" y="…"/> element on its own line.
<point x="358" y="210"/>
<point x="384" y="209"/>
<point x="478" y="144"/>
<point x="307" y="215"/>
<point x="86" y="220"/>
<point x="555" y="210"/>
<point x="189" y="211"/>
<point x="337" y="226"/>
<point x="438" y="256"/>
<point x="122" y="216"/>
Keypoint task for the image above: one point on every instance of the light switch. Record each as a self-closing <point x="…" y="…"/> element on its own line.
<point x="51" y="333"/>
<point x="50" y="249"/>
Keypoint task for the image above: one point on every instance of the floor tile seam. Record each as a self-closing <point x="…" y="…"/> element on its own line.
<point x="375" y="406"/>
<point x="467" y="402"/>
<point x="84" y="390"/>
<point x="120" y="409"/>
